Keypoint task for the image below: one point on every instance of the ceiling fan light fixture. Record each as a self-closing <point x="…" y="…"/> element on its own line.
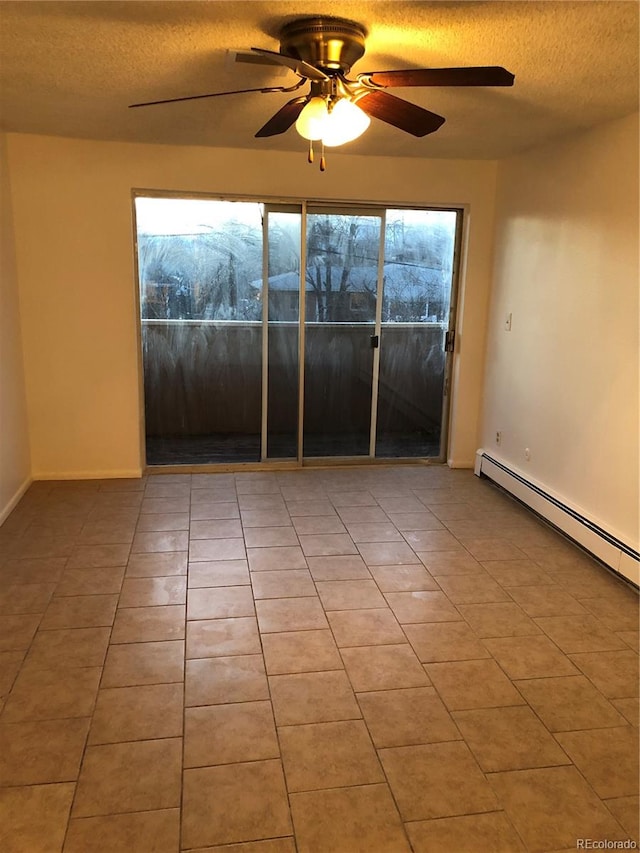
<point x="345" y="122"/>
<point x="311" y="122"/>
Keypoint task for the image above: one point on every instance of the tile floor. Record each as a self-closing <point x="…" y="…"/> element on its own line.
<point x="374" y="659"/>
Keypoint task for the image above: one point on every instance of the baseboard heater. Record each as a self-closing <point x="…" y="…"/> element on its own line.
<point x="606" y="547"/>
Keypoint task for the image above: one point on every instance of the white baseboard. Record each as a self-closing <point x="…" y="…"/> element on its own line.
<point x="592" y="536"/>
<point x="13" y="502"/>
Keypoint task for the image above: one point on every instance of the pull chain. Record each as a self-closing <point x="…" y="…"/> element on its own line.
<point x="310" y="157"/>
<point x="323" y="163"/>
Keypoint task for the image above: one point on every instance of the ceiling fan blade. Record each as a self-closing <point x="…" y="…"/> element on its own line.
<point x="212" y="95"/>
<point x="283" y="119"/>
<point x="304" y="69"/>
<point x="488" y="75"/>
<point x="399" y="113"/>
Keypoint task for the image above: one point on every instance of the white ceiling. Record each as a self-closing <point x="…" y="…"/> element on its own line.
<point x="71" y="69"/>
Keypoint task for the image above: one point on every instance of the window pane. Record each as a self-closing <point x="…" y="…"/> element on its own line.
<point x="200" y="272"/>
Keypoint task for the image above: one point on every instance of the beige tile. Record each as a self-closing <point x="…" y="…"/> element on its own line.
<point x="403" y="578"/>
<point x="218" y="681"/>
<point x="407" y="521"/>
<point x="373" y="531"/>
<point x="387" y="554"/>
<point x="144" y="624"/>
<point x="49" y="694"/>
<point x="329" y="523"/>
<point x="383" y="667"/>
<point x="626" y="811"/>
<point x="472" y="684"/>
<point x="222" y="637"/>
<point x="156" y="505"/>
<point x="223" y="528"/>
<point x="220" y="602"/>
<point x="99" y="581"/>
<point x="493" y="548"/>
<point x="410" y="607"/>
<point x="349" y="594"/>
<point x="290" y="614"/>
<point x="69" y="647"/>
<point x="551" y="807"/>
<point x="356" y="819"/>
<point x="80" y="611"/>
<point x="155" y="830"/>
<point x="206" y="510"/>
<point x="24" y="598"/>
<point x="226" y="734"/>
<point x="445" y="641"/>
<point x="317" y="507"/>
<point x="145" y="542"/>
<point x="569" y="703"/>
<point x="17" y="632"/>
<point x="629" y="708"/>
<point x="132" y="664"/>
<point x="615" y="674"/>
<point x="291" y="583"/>
<point x="154" y="591"/>
<point x="46" y="570"/>
<point x="218" y="573"/>
<point x="328" y="755"/>
<point x="300" y="651"/>
<point x="264" y="517"/>
<point x="510" y="573"/>
<point x="546" y="601"/>
<point x="37" y="752"/>
<point x="34" y="818"/>
<point x="129" y="777"/>
<point x="10" y="663"/>
<point x="530" y="657"/>
<point x="478" y="588"/>
<point x="157" y="564"/>
<point x="616" y="611"/>
<point x="607" y="758"/>
<point x="312" y="697"/>
<point x="436" y="780"/>
<point x="579" y="634"/>
<point x="234" y="802"/>
<point x="631" y="638"/>
<point x="503" y="619"/>
<point x="275" y="559"/>
<point x="447" y="563"/>
<point x="326" y="544"/>
<point x="137" y="713"/>
<point x="216" y="549"/>
<point x="270" y="537"/>
<point x="164" y="521"/>
<point x="271" y="845"/>
<point x="341" y="568"/>
<point x="477" y="833"/>
<point x="365" y="628"/>
<point x="432" y="540"/>
<point x="508" y="739"/>
<point x="98" y="556"/>
<point x="405" y="717"/>
<point x="107" y="532"/>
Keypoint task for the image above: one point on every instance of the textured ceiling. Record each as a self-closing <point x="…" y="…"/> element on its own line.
<point x="71" y="69"/>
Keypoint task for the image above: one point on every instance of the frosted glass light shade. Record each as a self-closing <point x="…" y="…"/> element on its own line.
<point x="344" y="123"/>
<point x="312" y="120"/>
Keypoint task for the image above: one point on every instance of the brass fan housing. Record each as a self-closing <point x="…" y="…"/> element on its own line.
<point x="332" y="44"/>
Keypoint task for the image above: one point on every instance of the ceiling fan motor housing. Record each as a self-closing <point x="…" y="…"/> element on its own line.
<point x="332" y="44"/>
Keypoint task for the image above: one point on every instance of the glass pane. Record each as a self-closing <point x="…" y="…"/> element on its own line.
<point x="200" y="272"/>
<point x="340" y="294"/>
<point x="418" y="275"/>
<point x="284" y="238"/>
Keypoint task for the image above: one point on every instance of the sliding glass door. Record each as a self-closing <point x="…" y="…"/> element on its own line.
<point x="284" y="332"/>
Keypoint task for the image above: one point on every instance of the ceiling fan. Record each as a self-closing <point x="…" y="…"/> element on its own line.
<point x="337" y="109"/>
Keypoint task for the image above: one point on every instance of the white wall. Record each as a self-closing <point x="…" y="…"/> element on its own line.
<point x="15" y="464"/>
<point x="74" y="249"/>
<point x="564" y="381"/>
